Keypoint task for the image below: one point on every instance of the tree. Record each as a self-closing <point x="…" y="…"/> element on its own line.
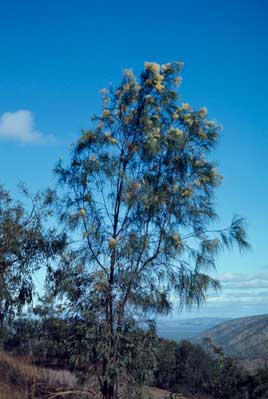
<point x="25" y="245"/>
<point x="138" y="193"/>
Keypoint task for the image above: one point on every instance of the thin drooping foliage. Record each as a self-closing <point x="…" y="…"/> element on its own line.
<point x="25" y="245"/>
<point x="137" y="195"/>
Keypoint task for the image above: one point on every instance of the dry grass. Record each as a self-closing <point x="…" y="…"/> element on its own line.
<point x="19" y="379"/>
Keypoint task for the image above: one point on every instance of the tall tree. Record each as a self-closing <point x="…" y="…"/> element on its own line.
<point x="25" y="245"/>
<point x="138" y="192"/>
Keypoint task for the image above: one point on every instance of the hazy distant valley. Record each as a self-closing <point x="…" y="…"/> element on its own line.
<point x="190" y="329"/>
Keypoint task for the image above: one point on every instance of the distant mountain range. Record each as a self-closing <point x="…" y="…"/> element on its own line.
<point x="245" y="338"/>
<point x="179" y="329"/>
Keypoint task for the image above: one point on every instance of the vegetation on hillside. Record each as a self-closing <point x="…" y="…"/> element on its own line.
<point x="176" y="367"/>
<point x="245" y="338"/>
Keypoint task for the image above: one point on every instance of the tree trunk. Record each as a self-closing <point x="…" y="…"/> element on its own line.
<point x="108" y="390"/>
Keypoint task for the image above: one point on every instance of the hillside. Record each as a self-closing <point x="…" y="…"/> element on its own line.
<point x="245" y="338"/>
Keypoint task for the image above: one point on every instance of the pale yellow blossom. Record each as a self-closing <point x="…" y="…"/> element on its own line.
<point x="112" y="243"/>
<point x="203" y="112"/>
<point x="177" y="240"/>
<point x="178" y="132"/>
<point x="126" y="87"/>
<point x="128" y="73"/>
<point x="185" y="107"/>
<point x="135" y="186"/>
<point x="106" y="113"/>
<point x="187" y="118"/>
<point x="156" y="133"/>
<point x="166" y="67"/>
<point x="202" y="134"/>
<point x="158" y="82"/>
<point x="110" y="138"/>
<point x="82" y="212"/>
<point x="210" y="124"/>
<point x="152" y="67"/>
<point x="159" y="86"/>
<point x="178" y="81"/>
<point x="187" y="192"/>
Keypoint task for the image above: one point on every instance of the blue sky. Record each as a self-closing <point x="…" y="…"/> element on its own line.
<point x="57" y="55"/>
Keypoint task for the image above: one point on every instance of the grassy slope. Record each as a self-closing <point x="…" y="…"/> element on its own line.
<point x="21" y="380"/>
<point x="17" y="377"/>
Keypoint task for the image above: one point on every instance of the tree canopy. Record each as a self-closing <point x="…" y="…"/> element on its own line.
<point x="25" y="245"/>
<point x="138" y="195"/>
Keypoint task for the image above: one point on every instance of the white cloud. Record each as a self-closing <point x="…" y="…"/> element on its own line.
<point x="250" y="298"/>
<point x="20" y="126"/>
<point x="240" y="281"/>
<point x="240" y="277"/>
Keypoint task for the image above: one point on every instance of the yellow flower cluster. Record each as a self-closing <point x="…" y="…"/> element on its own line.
<point x="106" y="113"/>
<point x="135" y="186"/>
<point x="210" y="124"/>
<point x="128" y="73"/>
<point x="154" y="134"/>
<point x="169" y="68"/>
<point x="187" y="192"/>
<point x="177" y="240"/>
<point x="166" y="67"/>
<point x="203" y="112"/>
<point x="175" y="188"/>
<point x="82" y="212"/>
<point x="112" y="243"/>
<point x="202" y="134"/>
<point x="185" y="107"/>
<point x="176" y="132"/>
<point x="199" y="163"/>
<point x="110" y="138"/>
<point x="89" y="135"/>
<point x="214" y="172"/>
<point x="127" y="119"/>
<point x="176" y="237"/>
<point x="126" y="87"/>
<point x="178" y="81"/>
<point x="187" y="119"/>
<point x="158" y="82"/>
<point x="93" y="158"/>
<point x="205" y="179"/>
<point x="152" y="67"/>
